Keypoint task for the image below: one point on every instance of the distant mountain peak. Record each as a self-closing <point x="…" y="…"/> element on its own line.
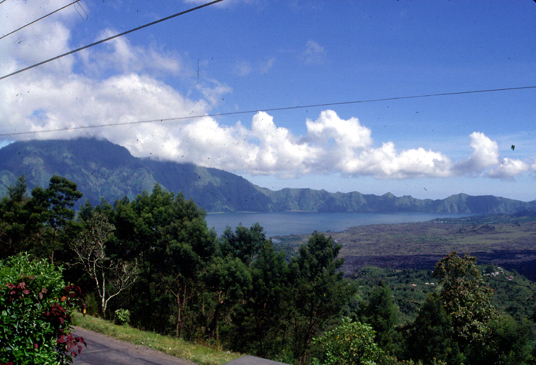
<point x="102" y="169"/>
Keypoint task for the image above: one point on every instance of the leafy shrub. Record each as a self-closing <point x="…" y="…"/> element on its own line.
<point x="122" y="316"/>
<point x="351" y="343"/>
<point x="35" y="313"/>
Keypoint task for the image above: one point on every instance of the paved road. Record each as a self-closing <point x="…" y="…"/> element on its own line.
<point x="103" y="350"/>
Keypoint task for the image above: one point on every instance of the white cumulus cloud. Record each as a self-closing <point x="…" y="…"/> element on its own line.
<point x="121" y="83"/>
<point x="508" y="168"/>
<point x="44" y="39"/>
<point x="485" y="154"/>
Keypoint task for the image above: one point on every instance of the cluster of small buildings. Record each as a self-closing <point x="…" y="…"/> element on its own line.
<point x="500" y="272"/>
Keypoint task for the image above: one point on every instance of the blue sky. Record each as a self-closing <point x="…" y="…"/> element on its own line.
<point x="259" y="55"/>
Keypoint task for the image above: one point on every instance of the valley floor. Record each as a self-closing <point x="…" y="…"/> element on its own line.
<point x="502" y="240"/>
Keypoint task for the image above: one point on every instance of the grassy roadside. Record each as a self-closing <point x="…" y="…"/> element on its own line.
<point x="199" y="354"/>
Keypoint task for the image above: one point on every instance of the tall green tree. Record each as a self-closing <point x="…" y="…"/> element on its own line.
<point x="17" y="192"/>
<point x="169" y="236"/>
<point x="190" y="247"/>
<point x="319" y="291"/>
<point x="465" y="296"/>
<point x="230" y="280"/>
<point x="454" y="323"/>
<point x="14" y="215"/>
<point x="431" y="336"/>
<point x="242" y="243"/>
<point x="379" y="310"/>
<point x="260" y="325"/>
<point x="41" y="223"/>
<point x="53" y="208"/>
<point x="381" y="313"/>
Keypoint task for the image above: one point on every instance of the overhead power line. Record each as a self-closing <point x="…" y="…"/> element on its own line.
<point x="110" y="38"/>
<point x="268" y="110"/>
<point x="35" y="21"/>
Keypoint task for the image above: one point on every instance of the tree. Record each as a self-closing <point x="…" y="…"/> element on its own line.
<point x="14" y="215"/>
<point x="431" y="335"/>
<point x="454" y="323"/>
<point x="259" y="328"/>
<point x="509" y="342"/>
<point x="230" y="279"/>
<point x="169" y="236"/>
<point x="17" y="192"/>
<point x="319" y="291"/>
<point x="111" y="277"/>
<point x="243" y="243"/>
<point x="52" y="207"/>
<point x="40" y="224"/>
<point x="380" y="312"/>
<point x="189" y="248"/>
<point x="465" y="297"/>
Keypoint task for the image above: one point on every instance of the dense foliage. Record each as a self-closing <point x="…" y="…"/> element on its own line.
<point x="351" y="343"/>
<point x="35" y="307"/>
<point x="463" y="315"/>
<point x="40" y="224"/>
<point x="152" y="262"/>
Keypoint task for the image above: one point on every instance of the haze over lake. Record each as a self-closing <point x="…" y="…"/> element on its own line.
<point x="287" y="223"/>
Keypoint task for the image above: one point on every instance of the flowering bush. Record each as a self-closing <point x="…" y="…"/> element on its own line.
<point x="35" y="313"/>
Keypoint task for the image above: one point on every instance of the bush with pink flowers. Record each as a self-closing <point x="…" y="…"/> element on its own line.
<point x="35" y="313"/>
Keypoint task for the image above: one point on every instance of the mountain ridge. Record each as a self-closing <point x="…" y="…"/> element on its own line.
<point x="102" y="169"/>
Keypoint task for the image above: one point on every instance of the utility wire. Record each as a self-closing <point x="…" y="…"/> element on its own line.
<point x="84" y="10"/>
<point x="110" y="38"/>
<point x="3" y="1"/>
<point x="269" y="110"/>
<point x="35" y="21"/>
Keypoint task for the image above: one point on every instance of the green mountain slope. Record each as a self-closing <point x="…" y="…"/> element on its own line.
<point x="105" y="170"/>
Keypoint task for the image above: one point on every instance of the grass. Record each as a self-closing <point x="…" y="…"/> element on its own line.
<point x="200" y="354"/>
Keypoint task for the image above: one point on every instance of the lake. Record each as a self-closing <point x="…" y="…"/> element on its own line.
<point x="287" y="223"/>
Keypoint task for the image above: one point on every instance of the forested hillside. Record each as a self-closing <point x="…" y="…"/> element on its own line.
<point x="104" y="170"/>
<point x="152" y="262"/>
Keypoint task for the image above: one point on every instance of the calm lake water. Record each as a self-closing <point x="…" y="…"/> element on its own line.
<point x="287" y="223"/>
